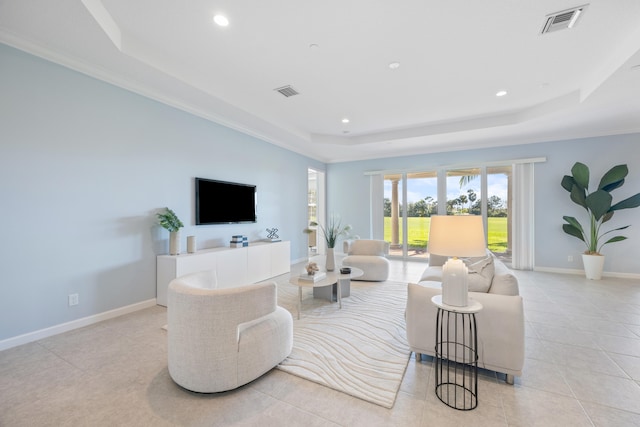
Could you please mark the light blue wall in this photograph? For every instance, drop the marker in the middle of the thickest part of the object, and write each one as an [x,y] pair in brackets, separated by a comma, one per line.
[552,245]
[85,165]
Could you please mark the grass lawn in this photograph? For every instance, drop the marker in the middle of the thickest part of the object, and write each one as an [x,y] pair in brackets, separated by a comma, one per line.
[419,232]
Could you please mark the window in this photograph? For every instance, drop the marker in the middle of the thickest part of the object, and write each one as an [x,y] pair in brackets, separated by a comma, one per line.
[464,195]
[411,198]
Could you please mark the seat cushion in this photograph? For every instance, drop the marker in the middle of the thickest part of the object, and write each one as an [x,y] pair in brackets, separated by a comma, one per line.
[374,268]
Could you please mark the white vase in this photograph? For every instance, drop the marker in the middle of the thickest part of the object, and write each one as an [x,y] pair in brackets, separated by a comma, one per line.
[174,242]
[593,265]
[191,244]
[331,260]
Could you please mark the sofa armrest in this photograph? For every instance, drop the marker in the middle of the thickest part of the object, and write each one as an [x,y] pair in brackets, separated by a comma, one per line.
[504,281]
[504,284]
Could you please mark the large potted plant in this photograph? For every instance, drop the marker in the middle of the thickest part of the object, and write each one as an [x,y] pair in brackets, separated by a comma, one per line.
[170,221]
[600,209]
[331,232]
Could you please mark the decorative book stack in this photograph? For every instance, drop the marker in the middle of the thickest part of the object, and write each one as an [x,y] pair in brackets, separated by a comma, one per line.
[238,241]
[313,277]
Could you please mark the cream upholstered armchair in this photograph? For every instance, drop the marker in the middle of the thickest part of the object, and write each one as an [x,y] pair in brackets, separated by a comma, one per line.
[222,338]
[369,256]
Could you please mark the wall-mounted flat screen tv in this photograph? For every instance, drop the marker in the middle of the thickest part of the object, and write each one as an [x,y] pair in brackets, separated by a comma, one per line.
[222,202]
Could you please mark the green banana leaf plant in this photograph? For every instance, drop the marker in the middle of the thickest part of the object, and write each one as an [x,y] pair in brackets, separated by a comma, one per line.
[598,205]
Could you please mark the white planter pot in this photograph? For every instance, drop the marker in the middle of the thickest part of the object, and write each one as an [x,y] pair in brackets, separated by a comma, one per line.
[593,265]
[174,243]
[331,260]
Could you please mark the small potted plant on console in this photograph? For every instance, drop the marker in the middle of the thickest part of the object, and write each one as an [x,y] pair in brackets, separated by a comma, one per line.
[170,221]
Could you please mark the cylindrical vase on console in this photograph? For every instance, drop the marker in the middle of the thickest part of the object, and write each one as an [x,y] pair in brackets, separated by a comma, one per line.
[191,244]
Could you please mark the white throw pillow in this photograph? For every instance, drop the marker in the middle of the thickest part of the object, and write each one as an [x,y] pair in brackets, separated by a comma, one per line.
[481,271]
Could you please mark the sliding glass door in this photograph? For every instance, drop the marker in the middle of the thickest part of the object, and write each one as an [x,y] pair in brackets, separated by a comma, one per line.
[393,213]
[499,211]
[409,201]
[422,202]
[411,198]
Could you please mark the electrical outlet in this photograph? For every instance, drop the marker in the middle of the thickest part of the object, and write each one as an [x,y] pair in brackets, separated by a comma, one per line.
[73,299]
[570,258]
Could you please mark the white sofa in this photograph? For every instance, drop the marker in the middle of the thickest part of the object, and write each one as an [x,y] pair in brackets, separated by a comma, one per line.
[500,323]
[368,255]
[222,338]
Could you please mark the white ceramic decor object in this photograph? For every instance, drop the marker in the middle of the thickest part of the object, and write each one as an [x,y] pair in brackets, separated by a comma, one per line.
[174,243]
[593,265]
[455,287]
[191,244]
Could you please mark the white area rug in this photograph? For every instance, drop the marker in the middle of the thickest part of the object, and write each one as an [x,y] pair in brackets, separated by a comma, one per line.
[360,349]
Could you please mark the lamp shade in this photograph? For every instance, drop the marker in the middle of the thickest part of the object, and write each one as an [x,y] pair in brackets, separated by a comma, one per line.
[457,236]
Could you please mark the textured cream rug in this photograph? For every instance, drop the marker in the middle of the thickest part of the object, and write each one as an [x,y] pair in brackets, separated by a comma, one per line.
[360,349]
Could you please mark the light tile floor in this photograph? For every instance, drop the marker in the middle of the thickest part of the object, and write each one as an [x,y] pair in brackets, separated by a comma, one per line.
[582,369]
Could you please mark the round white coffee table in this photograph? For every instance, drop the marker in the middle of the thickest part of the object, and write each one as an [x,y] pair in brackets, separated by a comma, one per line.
[332,278]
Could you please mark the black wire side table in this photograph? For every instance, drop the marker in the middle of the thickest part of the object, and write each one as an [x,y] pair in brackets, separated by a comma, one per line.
[457,354]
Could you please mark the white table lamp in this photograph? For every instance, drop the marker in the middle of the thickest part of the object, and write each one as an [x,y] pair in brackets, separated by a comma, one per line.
[456,236]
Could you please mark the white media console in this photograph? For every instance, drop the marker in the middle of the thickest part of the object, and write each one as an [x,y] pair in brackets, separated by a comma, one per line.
[234,266]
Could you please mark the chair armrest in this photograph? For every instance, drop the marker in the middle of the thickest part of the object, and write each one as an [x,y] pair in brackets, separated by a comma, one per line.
[250,302]
[227,306]
[368,247]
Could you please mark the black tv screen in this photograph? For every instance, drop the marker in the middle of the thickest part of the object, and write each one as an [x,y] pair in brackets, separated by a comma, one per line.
[221,202]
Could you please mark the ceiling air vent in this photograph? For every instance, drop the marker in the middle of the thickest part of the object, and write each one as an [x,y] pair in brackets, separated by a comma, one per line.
[563,20]
[287,91]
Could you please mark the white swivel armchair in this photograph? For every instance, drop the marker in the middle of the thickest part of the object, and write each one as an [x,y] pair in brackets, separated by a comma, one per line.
[369,256]
[222,338]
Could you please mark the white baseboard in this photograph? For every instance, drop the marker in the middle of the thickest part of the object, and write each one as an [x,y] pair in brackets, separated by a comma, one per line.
[74,324]
[581,272]
[296,261]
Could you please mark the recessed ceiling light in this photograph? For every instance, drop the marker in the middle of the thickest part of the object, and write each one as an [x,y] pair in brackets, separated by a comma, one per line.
[501,93]
[221,20]
[345,120]
[394,65]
